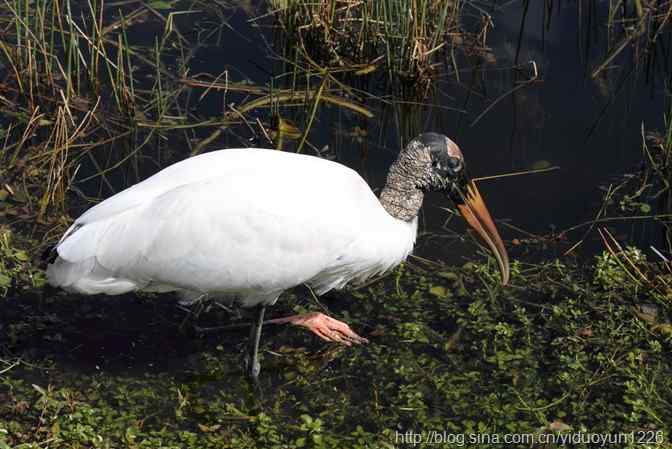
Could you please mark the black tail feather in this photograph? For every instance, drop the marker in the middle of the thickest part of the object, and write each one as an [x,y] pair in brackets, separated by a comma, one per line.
[50,254]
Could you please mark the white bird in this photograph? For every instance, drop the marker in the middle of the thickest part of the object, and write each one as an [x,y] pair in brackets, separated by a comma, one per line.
[245,225]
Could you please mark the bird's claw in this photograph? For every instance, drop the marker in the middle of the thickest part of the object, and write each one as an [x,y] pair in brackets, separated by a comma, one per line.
[325,327]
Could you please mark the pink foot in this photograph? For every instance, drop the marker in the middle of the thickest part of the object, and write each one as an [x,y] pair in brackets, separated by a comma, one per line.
[325,327]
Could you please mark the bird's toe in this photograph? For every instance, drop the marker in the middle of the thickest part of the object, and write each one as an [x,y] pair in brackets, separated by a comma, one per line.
[339,331]
[325,327]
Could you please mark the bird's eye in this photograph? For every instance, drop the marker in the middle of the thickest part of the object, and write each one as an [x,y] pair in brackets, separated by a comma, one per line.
[455,163]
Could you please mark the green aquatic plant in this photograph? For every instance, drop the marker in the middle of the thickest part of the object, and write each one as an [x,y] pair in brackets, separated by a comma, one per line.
[610,272]
[563,355]
[626,269]
[17,270]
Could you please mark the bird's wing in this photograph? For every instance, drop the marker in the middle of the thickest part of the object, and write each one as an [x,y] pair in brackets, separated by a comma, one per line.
[215,164]
[270,226]
[188,171]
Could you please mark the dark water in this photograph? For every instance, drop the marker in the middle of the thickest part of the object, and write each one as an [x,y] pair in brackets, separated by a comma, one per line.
[590,128]
[587,127]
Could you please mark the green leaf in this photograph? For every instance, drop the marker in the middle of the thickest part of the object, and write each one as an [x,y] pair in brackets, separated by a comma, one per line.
[448,275]
[439,291]
[540,165]
[160,4]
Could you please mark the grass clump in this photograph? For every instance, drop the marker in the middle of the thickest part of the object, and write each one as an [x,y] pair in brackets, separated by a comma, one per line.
[407,40]
[78,94]
[638,25]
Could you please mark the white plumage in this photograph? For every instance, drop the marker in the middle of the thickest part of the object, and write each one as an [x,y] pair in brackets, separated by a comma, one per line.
[244,223]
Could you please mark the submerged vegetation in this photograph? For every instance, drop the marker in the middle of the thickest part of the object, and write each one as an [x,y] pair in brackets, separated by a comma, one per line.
[562,350]
[96,95]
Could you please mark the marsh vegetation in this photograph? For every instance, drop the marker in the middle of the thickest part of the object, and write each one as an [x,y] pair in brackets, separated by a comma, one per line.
[95,96]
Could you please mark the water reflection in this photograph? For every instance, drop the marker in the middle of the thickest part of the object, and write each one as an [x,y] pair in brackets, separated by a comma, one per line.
[526,101]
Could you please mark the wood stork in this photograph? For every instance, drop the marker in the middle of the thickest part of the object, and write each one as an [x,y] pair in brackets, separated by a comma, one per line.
[246,224]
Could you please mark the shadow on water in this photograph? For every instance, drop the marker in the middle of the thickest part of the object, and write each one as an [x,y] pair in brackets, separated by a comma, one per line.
[139,336]
[121,334]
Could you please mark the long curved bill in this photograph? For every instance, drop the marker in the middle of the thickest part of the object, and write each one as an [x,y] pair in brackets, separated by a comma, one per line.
[477,216]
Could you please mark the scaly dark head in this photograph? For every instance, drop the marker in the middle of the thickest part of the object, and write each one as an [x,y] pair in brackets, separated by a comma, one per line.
[445,171]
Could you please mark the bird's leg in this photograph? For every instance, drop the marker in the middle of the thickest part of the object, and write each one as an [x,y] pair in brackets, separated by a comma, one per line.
[324,326]
[253,366]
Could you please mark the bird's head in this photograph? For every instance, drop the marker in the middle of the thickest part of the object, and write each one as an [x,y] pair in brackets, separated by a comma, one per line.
[443,169]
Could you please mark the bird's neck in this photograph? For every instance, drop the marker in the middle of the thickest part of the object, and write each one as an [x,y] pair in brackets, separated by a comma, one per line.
[401,197]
